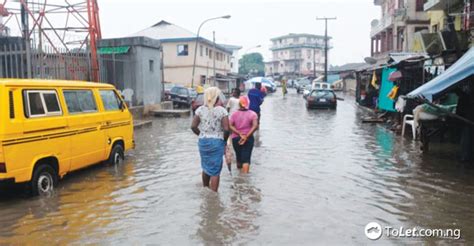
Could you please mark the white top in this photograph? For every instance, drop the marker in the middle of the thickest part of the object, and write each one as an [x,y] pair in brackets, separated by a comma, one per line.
[233,105]
[211,121]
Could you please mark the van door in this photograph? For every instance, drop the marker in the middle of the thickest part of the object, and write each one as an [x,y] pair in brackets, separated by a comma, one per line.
[117,119]
[84,118]
[44,131]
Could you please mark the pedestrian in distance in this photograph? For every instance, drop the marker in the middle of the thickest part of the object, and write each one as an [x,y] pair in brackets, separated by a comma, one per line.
[284,90]
[233,103]
[211,124]
[256,97]
[243,124]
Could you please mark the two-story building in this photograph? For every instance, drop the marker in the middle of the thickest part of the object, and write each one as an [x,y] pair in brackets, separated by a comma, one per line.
[178,46]
[394,31]
[296,55]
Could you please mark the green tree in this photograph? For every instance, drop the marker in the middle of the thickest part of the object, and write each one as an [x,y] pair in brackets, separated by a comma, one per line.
[250,63]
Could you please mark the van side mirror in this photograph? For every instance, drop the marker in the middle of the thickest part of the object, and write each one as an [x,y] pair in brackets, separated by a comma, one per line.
[122,105]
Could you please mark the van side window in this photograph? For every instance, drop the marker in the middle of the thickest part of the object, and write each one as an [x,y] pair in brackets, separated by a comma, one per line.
[80,101]
[110,100]
[41,103]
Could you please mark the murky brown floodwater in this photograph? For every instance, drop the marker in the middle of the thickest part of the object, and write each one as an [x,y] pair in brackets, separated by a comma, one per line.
[317,176]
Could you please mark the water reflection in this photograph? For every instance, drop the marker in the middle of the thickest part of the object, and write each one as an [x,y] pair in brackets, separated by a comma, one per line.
[77,211]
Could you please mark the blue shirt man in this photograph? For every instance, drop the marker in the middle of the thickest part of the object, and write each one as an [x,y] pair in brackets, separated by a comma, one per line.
[256,96]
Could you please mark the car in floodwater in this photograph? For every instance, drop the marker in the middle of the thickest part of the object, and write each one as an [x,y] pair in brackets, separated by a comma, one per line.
[199,101]
[182,96]
[302,85]
[321,98]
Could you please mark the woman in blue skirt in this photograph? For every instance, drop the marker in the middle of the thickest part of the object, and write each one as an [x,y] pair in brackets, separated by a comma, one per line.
[211,124]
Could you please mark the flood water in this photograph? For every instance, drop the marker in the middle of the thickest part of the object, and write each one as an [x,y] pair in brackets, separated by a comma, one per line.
[317,177]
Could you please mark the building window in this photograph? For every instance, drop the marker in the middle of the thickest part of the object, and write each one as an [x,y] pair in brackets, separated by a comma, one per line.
[210,54]
[207,51]
[231,65]
[151,65]
[419,5]
[182,50]
[200,50]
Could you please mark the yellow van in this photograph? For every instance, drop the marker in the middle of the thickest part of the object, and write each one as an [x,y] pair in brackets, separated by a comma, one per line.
[50,128]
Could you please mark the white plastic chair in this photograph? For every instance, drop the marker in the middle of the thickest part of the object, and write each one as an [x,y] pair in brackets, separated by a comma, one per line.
[409,119]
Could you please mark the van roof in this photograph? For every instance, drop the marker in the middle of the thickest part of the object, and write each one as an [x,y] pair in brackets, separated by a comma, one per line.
[52,83]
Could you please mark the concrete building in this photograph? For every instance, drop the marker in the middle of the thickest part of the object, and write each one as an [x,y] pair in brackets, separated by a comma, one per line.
[234,59]
[394,31]
[178,46]
[450,29]
[296,55]
[133,66]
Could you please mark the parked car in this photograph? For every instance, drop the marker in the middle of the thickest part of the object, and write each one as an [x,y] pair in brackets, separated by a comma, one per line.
[56,127]
[199,101]
[182,96]
[303,84]
[167,89]
[321,99]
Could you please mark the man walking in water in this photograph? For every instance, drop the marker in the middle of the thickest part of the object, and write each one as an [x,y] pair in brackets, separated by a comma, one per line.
[256,96]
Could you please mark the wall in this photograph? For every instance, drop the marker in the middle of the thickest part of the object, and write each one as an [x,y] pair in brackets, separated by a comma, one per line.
[132,69]
[178,69]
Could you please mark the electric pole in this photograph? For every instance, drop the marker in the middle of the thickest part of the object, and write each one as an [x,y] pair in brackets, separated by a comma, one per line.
[325,19]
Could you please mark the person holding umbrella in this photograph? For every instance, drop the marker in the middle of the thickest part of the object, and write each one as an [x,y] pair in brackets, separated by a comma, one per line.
[243,124]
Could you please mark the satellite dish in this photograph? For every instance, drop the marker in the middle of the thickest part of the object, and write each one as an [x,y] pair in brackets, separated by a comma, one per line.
[370,60]
[374,23]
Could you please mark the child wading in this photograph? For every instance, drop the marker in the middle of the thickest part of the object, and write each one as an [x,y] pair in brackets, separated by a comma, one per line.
[243,124]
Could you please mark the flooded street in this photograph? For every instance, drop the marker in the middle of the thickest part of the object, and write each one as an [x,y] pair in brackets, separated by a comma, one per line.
[316,177]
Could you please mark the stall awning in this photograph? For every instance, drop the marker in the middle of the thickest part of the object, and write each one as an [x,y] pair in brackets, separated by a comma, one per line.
[113,50]
[460,70]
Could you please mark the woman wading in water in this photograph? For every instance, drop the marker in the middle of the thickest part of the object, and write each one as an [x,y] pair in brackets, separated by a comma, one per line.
[243,124]
[211,124]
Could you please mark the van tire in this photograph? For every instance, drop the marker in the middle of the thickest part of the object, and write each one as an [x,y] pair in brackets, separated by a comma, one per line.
[44,180]
[116,156]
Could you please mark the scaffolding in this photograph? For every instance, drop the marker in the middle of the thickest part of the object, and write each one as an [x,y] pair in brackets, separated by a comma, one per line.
[63,29]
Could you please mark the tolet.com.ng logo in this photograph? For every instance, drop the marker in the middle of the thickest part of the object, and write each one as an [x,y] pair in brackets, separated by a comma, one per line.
[373,231]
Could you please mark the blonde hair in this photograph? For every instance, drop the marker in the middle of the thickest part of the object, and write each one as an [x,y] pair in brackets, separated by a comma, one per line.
[210,96]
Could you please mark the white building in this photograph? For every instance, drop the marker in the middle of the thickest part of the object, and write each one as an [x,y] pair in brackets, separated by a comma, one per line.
[296,55]
[234,59]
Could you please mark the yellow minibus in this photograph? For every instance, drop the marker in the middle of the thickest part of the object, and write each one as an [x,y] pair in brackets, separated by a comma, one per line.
[50,128]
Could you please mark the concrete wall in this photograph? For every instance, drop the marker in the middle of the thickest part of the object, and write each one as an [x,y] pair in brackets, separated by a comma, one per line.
[133,70]
[178,69]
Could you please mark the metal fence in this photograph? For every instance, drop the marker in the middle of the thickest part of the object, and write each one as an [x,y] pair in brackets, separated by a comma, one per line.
[21,61]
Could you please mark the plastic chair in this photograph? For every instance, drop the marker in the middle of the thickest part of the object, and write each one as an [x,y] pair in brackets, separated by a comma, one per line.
[409,120]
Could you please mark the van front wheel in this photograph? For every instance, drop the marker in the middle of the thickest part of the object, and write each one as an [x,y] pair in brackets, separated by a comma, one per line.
[45,178]
[116,156]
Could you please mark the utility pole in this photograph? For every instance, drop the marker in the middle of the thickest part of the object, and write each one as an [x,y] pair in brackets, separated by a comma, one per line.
[325,19]
[214,57]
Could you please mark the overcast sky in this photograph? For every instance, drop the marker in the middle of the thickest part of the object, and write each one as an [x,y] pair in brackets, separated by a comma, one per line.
[253,22]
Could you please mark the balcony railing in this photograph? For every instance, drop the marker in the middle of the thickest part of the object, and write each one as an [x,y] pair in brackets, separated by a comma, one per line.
[440,4]
[296,45]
